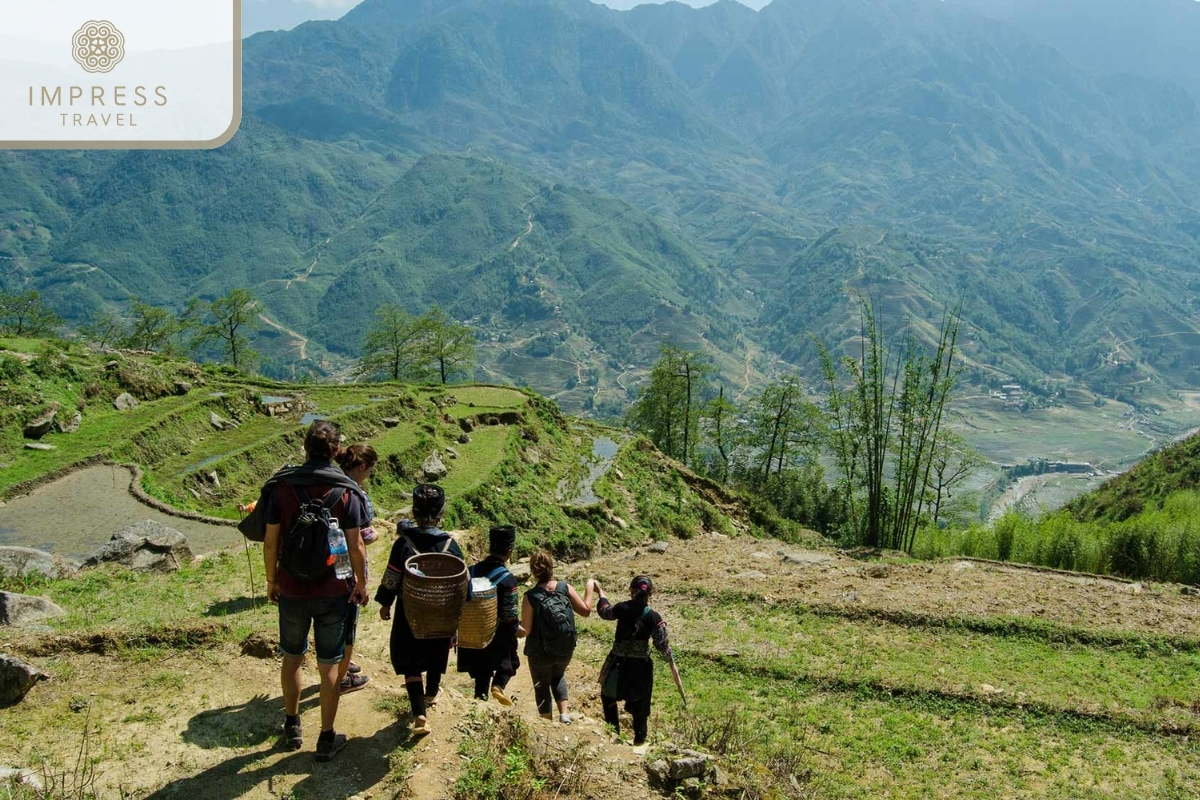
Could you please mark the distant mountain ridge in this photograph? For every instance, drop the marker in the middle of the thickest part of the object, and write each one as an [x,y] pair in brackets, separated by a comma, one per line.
[919,150]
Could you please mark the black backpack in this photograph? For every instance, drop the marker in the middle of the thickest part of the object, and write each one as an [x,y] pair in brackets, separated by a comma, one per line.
[254,526]
[555,621]
[305,551]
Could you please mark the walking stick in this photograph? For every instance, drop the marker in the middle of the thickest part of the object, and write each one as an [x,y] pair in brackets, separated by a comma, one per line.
[249,567]
[678,680]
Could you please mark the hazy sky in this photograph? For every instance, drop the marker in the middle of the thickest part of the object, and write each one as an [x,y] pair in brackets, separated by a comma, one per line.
[263,15]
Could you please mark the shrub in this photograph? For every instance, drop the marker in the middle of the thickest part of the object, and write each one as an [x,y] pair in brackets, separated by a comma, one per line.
[11,368]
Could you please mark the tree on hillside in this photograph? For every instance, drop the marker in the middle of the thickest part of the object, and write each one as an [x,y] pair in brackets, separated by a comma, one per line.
[26,314]
[720,418]
[953,462]
[887,424]
[392,347]
[150,327]
[225,322]
[668,410]
[782,426]
[104,329]
[445,342]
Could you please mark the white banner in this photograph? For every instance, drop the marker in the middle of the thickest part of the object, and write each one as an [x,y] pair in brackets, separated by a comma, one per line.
[120,73]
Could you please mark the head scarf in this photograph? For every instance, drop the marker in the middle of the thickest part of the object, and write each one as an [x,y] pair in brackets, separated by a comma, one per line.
[501,539]
[428,500]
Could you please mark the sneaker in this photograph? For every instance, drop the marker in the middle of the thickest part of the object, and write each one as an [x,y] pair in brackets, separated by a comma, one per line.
[352,683]
[293,737]
[565,719]
[500,697]
[354,668]
[328,747]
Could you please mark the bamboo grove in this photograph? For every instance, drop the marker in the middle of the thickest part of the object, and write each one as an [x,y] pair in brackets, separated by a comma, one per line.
[876,421]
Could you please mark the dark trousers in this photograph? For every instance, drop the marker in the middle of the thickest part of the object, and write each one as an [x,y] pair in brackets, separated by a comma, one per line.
[484,681]
[417,692]
[549,678]
[639,709]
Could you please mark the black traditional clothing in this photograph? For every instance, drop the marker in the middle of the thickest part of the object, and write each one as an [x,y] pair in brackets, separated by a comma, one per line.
[628,673]
[410,655]
[497,662]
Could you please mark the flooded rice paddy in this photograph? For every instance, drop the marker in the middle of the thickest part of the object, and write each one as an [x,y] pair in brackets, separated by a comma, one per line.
[75,515]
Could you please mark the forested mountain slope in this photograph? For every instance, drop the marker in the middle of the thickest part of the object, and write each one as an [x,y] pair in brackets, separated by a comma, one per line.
[969,159]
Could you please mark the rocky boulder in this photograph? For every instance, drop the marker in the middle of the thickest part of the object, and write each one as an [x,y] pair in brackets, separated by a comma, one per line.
[182,387]
[658,547]
[42,424]
[23,609]
[520,571]
[39,446]
[70,426]
[125,402]
[390,422]
[16,679]
[147,546]
[19,562]
[433,469]
[220,423]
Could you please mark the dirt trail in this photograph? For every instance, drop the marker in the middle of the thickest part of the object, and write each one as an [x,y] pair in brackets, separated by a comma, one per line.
[529,224]
[218,738]
[301,342]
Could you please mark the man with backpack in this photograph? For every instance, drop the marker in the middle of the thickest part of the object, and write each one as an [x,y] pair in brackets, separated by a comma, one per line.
[313,516]
[495,665]
[548,617]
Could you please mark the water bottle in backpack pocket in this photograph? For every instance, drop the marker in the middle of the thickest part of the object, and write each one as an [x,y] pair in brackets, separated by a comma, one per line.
[339,554]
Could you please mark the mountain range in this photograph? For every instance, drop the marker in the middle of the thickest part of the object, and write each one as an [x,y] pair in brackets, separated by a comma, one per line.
[581,181]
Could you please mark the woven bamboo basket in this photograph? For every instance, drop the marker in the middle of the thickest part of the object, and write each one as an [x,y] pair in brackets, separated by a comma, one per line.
[433,602]
[478,624]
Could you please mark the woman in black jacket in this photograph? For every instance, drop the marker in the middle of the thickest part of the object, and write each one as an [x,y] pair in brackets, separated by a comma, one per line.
[412,656]
[628,673]
[495,665]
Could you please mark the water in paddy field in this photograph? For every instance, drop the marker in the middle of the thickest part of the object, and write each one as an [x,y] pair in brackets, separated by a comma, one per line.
[308,419]
[271,399]
[604,450]
[75,515]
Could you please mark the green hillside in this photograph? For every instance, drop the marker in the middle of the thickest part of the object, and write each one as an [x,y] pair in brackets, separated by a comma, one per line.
[969,159]
[1145,487]
[520,461]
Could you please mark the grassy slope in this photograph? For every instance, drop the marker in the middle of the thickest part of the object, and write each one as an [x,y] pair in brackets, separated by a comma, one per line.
[1146,486]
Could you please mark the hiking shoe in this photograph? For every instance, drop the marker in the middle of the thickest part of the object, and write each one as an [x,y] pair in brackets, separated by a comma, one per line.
[293,737]
[500,697]
[328,747]
[352,683]
[354,668]
[565,719]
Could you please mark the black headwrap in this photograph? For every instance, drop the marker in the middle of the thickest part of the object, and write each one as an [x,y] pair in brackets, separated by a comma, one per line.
[501,539]
[641,587]
[428,500]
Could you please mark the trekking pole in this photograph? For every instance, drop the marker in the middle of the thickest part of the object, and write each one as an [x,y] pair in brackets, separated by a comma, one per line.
[678,680]
[249,567]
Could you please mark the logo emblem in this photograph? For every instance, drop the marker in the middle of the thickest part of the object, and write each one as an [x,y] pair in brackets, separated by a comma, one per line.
[98,46]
